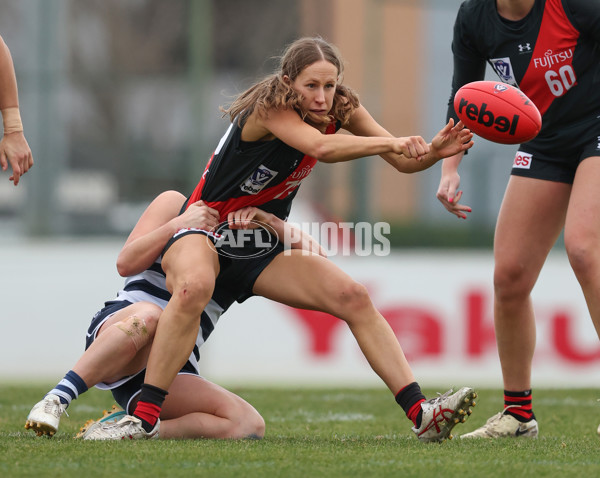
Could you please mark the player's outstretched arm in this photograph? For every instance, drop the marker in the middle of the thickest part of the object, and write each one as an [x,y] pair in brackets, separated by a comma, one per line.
[450,140]
[158,223]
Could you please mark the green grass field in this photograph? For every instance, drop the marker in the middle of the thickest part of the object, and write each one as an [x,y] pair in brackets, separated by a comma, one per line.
[311,433]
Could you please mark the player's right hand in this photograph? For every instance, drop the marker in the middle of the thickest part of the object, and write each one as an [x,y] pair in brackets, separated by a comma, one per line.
[448,195]
[411,146]
[199,215]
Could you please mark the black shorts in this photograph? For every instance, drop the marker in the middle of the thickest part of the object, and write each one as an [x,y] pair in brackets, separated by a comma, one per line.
[237,275]
[555,165]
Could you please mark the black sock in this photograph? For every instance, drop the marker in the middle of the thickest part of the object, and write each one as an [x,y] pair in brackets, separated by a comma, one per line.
[518,405]
[408,398]
[149,405]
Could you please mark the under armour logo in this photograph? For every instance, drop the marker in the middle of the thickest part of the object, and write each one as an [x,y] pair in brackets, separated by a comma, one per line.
[526,47]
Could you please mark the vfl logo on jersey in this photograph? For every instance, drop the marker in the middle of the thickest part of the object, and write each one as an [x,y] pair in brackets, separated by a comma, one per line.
[258,180]
[522,160]
[504,70]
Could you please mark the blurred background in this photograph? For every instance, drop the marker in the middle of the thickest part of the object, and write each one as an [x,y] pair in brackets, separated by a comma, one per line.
[120,101]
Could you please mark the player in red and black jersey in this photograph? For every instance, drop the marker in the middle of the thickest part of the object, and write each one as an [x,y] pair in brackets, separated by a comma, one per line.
[280,128]
[550,49]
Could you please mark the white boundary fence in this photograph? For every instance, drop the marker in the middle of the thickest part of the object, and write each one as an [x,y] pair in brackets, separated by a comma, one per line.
[438,302]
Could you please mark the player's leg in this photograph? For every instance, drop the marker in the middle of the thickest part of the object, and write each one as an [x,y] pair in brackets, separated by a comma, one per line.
[582,234]
[119,348]
[194,408]
[314,282]
[530,220]
[191,265]
[197,408]
[317,283]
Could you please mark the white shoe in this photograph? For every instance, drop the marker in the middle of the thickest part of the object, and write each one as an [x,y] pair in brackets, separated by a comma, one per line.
[503,425]
[108,416]
[45,415]
[441,414]
[128,427]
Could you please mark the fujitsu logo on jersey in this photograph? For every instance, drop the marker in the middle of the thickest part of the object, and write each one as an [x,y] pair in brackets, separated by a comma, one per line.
[258,180]
[551,58]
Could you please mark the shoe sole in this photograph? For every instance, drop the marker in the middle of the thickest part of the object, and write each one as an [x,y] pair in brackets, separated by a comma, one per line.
[40,428]
[460,415]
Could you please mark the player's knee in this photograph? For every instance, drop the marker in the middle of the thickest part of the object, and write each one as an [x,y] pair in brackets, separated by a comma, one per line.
[511,282]
[351,297]
[139,328]
[247,424]
[581,254]
[192,294]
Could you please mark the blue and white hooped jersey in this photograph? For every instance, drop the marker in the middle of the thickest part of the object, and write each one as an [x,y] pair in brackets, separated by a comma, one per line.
[150,286]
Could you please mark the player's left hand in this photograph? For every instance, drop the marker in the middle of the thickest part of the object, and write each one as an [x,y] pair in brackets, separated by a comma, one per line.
[452,139]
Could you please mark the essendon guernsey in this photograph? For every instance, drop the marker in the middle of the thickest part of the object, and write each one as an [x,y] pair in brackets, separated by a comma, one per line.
[264,174]
[552,55]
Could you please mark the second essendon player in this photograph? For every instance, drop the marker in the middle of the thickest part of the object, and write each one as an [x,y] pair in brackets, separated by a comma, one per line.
[550,49]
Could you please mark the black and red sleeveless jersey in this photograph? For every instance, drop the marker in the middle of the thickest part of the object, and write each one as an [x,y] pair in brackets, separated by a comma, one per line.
[552,55]
[262,173]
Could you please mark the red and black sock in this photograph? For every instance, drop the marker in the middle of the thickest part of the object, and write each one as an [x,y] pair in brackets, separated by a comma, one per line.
[149,406]
[518,405]
[410,398]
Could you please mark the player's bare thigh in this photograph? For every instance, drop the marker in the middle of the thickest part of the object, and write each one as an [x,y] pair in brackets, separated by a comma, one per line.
[309,282]
[582,227]
[531,218]
[146,312]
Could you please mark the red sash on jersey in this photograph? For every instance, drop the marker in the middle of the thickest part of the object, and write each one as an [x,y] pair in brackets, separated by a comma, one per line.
[279,191]
[557,35]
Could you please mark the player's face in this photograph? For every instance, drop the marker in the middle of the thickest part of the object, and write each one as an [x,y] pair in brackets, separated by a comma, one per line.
[316,83]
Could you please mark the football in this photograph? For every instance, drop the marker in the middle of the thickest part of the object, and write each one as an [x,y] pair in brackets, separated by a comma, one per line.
[497,112]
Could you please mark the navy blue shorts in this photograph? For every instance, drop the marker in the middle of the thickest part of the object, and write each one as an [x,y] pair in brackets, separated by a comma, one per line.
[128,387]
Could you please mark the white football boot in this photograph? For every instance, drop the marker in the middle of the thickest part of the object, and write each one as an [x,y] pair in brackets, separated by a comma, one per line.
[108,416]
[127,428]
[45,415]
[442,413]
[503,425]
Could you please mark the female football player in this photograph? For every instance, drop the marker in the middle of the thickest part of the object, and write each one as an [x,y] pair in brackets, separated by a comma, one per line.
[550,49]
[280,128]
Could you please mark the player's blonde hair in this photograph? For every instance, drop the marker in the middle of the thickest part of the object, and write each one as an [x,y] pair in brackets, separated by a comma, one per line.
[273,92]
